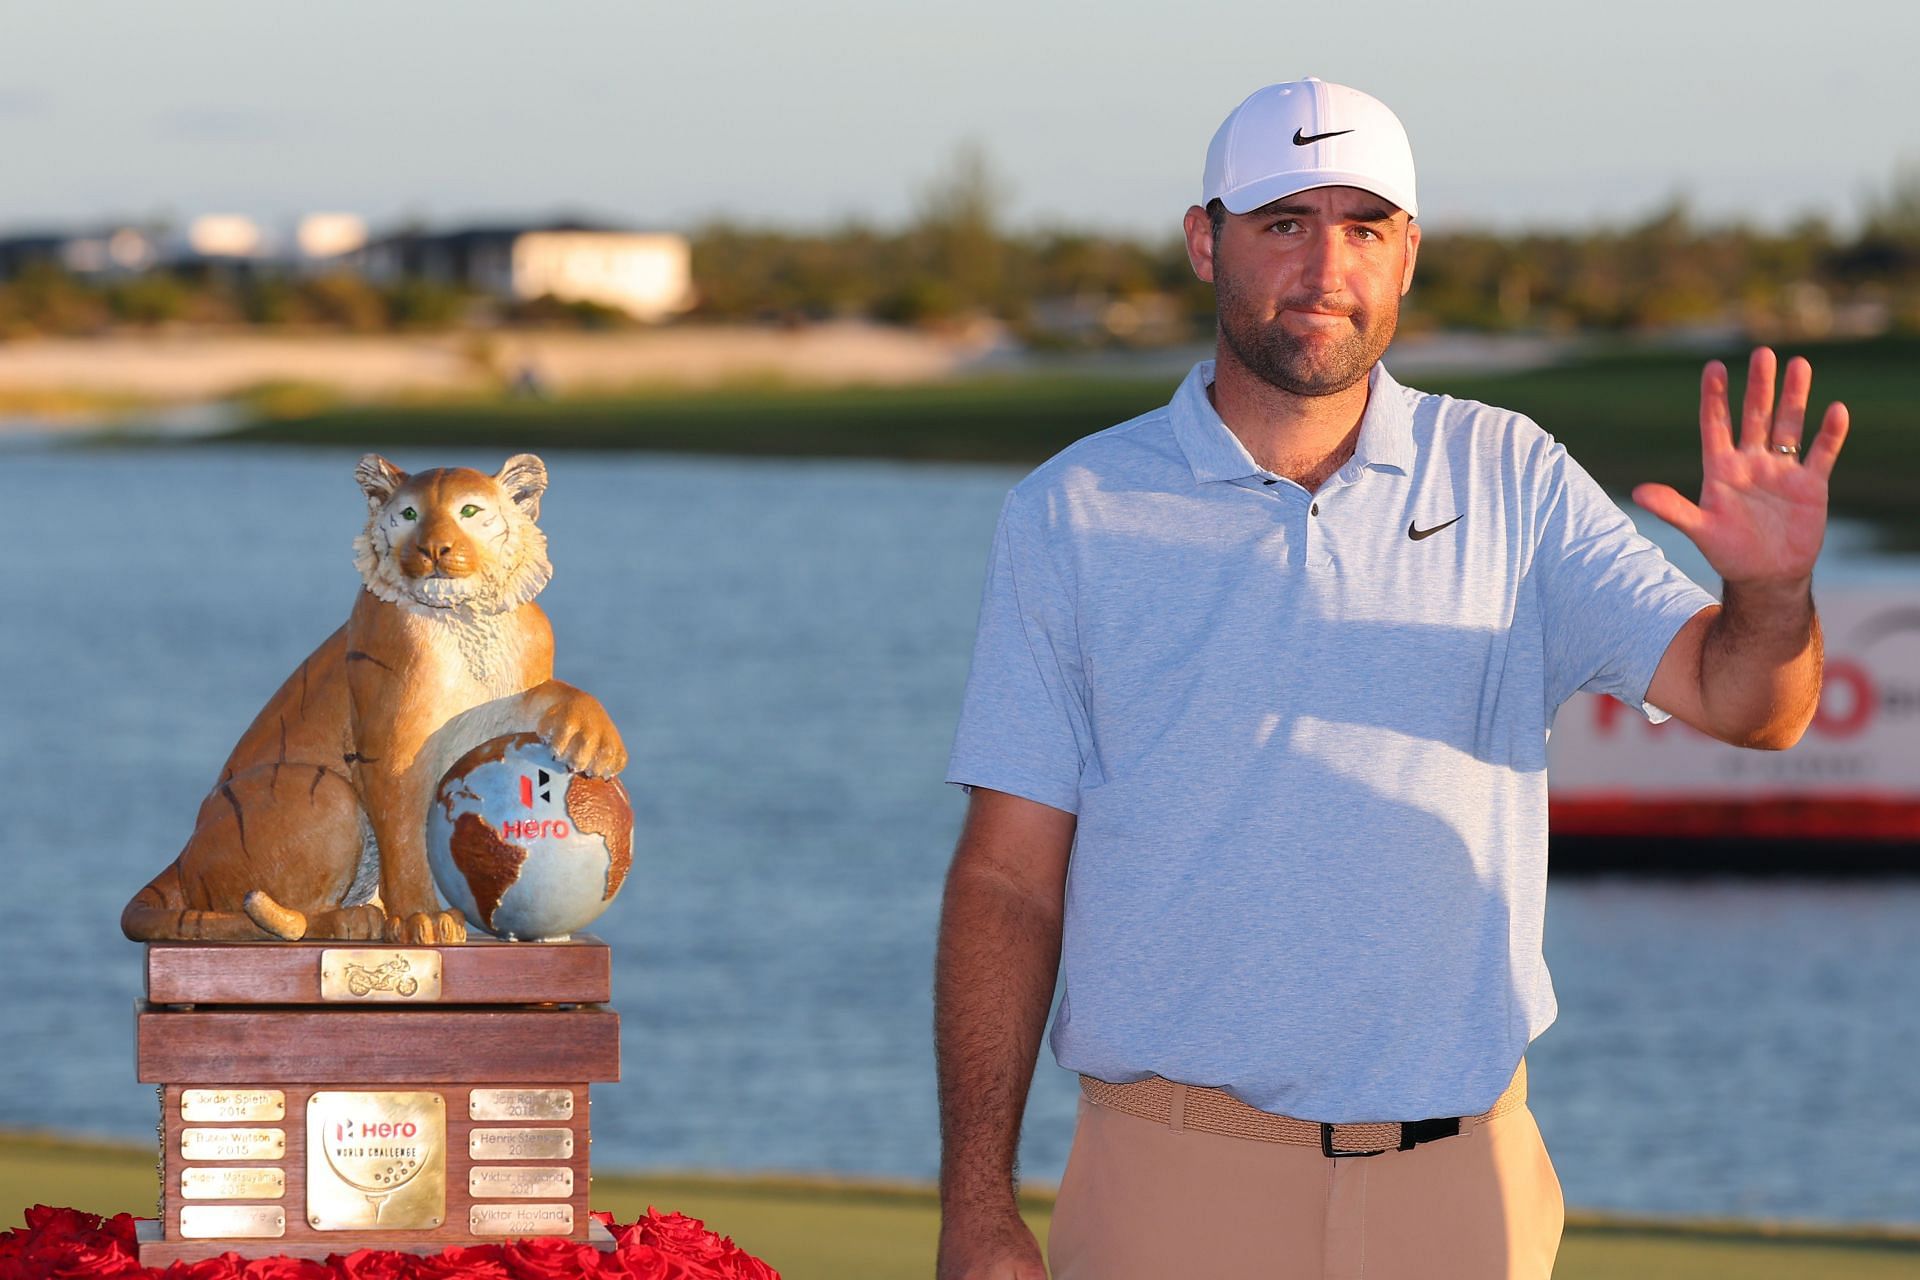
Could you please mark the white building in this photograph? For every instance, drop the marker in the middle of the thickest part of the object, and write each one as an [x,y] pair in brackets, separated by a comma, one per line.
[647,275]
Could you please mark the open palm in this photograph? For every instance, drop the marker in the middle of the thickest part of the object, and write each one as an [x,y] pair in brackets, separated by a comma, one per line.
[1762,512]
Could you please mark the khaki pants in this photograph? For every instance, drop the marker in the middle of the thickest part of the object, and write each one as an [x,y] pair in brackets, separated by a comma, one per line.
[1144,1201]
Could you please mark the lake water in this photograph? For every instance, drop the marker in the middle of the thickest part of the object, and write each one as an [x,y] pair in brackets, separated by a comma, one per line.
[784,645]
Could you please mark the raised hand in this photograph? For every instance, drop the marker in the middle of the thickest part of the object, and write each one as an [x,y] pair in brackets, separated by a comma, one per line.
[1762,513]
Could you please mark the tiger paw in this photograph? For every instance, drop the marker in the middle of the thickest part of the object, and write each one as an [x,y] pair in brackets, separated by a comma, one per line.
[583,737]
[427,927]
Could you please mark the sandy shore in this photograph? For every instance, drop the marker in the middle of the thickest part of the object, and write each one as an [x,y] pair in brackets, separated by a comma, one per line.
[197,367]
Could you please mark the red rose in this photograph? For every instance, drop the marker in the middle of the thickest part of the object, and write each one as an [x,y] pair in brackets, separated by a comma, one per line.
[52,1225]
[102,1256]
[228,1266]
[372,1264]
[678,1234]
[472,1262]
[551,1258]
[285,1268]
[632,1260]
[741,1265]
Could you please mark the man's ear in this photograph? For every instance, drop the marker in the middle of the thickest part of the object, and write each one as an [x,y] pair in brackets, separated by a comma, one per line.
[1199,229]
[1413,251]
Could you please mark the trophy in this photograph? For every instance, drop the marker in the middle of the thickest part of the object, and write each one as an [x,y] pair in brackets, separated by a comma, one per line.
[340,1064]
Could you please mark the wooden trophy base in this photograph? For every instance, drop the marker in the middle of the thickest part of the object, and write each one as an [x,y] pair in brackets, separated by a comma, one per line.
[319,1098]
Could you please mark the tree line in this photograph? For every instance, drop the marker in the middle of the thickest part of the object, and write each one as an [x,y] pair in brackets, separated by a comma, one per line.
[953,264]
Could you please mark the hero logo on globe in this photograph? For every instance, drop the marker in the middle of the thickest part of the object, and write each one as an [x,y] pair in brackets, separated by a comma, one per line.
[535,828]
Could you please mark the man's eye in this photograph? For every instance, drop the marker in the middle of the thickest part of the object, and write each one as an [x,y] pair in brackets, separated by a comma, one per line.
[409,514]
[469,511]
[1286,224]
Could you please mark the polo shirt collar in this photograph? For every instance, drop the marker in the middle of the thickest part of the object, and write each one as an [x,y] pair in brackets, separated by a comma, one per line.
[1215,453]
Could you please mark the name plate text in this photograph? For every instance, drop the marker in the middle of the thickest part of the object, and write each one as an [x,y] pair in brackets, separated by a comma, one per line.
[520,1104]
[524,1182]
[224,1106]
[232,1184]
[232,1221]
[520,1144]
[520,1220]
[233,1144]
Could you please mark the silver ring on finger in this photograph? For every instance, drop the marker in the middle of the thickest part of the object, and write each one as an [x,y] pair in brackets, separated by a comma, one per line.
[1789,447]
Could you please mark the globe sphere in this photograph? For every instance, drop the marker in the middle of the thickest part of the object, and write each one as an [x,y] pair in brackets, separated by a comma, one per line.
[526,848]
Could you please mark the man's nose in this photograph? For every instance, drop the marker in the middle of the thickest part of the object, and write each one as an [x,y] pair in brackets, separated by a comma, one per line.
[1325,261]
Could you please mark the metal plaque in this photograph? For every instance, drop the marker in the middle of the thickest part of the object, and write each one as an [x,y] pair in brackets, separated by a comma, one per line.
[520,1144]
[229,1105]
[232,1184]
[232,1221]
[367,975]
[520,1182]
[376,1160]
[520,1220]
[233,1144]
[520,1104]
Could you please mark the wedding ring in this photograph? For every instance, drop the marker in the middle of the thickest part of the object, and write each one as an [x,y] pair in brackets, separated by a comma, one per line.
[1788,449]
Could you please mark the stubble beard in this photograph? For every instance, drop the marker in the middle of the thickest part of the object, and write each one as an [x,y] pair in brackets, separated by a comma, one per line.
[1285,361]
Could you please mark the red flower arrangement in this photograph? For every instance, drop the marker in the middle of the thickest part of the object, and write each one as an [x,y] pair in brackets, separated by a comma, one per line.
[65,1244]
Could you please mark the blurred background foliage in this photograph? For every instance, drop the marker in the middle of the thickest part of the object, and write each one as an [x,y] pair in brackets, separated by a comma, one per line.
[955,266]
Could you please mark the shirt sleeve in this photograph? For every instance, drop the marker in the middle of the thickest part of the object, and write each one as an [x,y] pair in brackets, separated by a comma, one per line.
[1022,720]
[1610,602]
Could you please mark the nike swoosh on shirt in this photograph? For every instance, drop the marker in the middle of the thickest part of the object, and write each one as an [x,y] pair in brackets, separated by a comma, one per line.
[1304,139]
[1416,533]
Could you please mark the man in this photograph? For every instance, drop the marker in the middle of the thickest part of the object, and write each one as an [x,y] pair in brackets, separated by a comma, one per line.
[1276,663]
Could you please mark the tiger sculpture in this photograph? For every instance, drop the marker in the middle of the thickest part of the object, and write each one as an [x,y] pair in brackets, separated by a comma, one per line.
[317,825]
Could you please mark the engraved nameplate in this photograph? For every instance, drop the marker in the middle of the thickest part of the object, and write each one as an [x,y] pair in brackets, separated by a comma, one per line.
[520,1104]
[520,1220]
[232,1184]
[376,1160]
[232,1221]
[229,1105]
[520,1144]
[515,1182]
[354,974]
[233,1144]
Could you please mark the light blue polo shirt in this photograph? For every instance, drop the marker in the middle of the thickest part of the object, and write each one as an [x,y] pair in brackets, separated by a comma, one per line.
[1306,738]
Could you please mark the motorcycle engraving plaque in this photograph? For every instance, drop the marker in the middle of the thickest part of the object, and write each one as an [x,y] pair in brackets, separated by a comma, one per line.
[369,975]
[376,1161]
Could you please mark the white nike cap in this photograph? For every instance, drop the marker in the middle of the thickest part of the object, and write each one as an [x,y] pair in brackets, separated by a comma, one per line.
[1305,134]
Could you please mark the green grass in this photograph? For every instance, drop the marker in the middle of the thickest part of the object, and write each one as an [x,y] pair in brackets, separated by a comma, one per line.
[1628,417]
[828,1230]
[975,420]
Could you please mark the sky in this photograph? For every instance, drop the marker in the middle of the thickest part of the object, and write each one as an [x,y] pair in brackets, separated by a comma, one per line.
[805,115]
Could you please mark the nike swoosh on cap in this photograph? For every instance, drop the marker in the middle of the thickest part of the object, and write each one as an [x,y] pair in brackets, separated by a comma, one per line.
[1416,533]
[1303,139]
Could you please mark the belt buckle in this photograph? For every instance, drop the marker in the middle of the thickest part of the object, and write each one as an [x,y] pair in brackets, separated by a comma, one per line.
[1412,1134]
[1327,1148]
